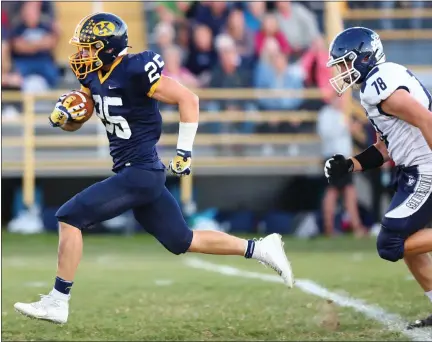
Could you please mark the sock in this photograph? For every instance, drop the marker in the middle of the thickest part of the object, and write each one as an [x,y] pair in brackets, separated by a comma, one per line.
[62,286]
[429,294]
[249,249]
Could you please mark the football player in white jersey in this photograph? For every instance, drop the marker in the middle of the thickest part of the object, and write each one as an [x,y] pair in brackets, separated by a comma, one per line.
[399,108]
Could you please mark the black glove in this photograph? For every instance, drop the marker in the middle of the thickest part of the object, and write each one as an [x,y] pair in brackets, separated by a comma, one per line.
[337,167]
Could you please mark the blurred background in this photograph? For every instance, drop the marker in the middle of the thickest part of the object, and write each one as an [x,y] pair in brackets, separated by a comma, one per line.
[269,117]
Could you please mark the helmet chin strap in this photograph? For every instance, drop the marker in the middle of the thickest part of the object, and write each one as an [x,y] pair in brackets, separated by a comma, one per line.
[356,86]
[124,51]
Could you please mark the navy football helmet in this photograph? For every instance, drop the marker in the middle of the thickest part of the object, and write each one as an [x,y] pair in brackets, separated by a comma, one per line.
[100,39]
[355,52]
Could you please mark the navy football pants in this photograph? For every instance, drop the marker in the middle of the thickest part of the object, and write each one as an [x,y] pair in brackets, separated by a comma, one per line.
[141,190]
[410,211]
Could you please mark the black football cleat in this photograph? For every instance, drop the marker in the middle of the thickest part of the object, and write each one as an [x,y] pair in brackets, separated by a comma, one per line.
[421,323]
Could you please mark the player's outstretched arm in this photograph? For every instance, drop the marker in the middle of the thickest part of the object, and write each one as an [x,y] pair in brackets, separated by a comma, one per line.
[404,106]
[172,92]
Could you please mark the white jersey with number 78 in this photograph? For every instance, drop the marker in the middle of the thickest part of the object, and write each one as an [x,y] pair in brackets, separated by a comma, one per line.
[405,143]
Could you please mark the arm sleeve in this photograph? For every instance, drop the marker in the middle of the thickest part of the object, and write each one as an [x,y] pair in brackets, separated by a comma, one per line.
[146,68]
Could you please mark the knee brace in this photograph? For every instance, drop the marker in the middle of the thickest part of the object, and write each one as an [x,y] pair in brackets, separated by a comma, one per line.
[390,244]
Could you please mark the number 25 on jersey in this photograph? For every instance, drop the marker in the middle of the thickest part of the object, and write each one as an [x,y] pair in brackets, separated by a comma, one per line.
[116,125]
[152,69]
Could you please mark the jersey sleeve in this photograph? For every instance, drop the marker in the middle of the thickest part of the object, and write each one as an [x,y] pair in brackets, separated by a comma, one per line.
[147,69]
[382,82]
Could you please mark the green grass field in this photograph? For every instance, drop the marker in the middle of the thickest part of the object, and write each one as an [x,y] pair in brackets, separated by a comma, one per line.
[130,288]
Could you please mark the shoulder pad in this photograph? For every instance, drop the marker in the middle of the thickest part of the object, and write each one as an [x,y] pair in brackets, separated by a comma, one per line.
[139,61]
[146,67]
[383,81]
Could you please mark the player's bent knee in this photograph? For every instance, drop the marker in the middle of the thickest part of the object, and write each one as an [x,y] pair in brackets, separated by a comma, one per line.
[390,245]
[71,214]
[178,244]
[65,225]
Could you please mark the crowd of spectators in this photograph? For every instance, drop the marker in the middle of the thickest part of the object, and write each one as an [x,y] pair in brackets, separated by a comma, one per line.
[29,36]
[260,44]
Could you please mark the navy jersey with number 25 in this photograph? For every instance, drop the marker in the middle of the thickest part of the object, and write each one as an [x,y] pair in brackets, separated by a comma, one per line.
[124,104]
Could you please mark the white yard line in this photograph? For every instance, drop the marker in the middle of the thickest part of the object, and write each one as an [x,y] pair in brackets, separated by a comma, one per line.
[36,284]
[392,321]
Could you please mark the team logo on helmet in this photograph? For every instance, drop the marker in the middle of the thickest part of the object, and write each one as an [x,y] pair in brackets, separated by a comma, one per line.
[376,42]
[104,28]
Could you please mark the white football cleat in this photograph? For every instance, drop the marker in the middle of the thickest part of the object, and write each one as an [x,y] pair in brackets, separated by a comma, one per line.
[270,252]
[50,308]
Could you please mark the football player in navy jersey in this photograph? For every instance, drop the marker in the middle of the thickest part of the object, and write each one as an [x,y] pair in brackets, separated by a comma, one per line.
[126,89]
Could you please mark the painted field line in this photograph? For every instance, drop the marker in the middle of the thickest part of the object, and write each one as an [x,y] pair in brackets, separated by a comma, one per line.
[393,322]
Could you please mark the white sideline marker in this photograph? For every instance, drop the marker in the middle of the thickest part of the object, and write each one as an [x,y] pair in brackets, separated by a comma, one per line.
[392,321]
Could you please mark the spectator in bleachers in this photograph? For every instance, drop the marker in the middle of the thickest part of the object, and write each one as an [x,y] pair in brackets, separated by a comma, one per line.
[242,36]
[254,13]
[314,63]
[278,74]
[214,14]
[230,73]
[318,9]
[163,36]
[271,48]
[47,10]
[202,56]
[10,79]
[165,13]
[270,29]
[173,11]
[335,133]
[298,24]
[183,38]
[33,42]
[174,69]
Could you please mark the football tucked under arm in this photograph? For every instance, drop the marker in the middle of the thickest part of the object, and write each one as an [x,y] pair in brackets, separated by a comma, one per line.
[75,98]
